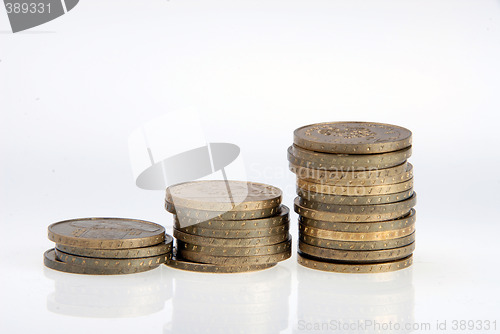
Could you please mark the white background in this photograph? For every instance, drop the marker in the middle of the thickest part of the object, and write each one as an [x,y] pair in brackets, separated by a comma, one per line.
[72,91]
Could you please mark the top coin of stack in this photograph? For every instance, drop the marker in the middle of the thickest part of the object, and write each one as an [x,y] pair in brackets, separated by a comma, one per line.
[228,226]
[107,246]
[356,196]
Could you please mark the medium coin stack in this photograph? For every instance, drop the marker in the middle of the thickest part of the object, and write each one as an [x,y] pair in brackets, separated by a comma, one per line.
[356,196]
[228,226]
[107,246]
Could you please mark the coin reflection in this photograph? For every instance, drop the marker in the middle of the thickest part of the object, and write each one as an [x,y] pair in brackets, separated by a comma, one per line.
[354,303]
[109,296]
[255,302]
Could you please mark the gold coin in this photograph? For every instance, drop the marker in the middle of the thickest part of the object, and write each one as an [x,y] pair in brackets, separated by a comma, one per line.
[352,137]
[279,219]
[342,180]
[130,253]
[346,162]
[357,245]
[354,191]
[199,216]
[223,195]
[213,268]
[50,261]
[236,251]
[232,234]
[355,268]
[348,236]
[98,263]
[224,242]
[234,260]
[353,213]
[354,200]
[395,224]
[106,233]
[357,256]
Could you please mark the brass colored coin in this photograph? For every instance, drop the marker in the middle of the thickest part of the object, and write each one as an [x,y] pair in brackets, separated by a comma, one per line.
[204,215]
[370,174]
[234,260]
[221,195]
[346,162]
[354,213]
[106,233]
[98,263]
[355,191]
[50,260]
[355,268]
[395,224]
[220,242]
[354,200]
[213,268]
[236,251]
[280,219]
[352,137]
[231,234]
[357,245]
[357,256]
[365,182]
[130,253]
[347,236]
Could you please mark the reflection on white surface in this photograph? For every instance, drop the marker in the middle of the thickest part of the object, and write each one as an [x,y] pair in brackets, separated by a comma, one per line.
[354,303]
[254,302]
[109,296]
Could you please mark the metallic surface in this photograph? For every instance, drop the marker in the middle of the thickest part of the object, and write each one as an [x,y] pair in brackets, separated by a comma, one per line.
[348,236]
[352,137]
[184,214]
[232,234]
[234,260]
[224,242]
[106,233]
[357,245]
[213,268]
[356,190]
[354,200]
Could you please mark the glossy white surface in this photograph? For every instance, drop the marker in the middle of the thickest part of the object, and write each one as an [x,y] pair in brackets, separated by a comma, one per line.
[73,90]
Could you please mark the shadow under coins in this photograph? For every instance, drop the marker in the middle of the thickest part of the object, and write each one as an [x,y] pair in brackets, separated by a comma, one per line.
[354,303]
[114,296]
[255,302]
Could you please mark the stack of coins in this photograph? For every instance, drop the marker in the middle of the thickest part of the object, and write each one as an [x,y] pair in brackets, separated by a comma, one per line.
[107,246]
[228,226]
[356,196]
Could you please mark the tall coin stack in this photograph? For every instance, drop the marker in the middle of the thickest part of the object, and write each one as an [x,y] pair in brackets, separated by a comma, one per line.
[107,246]
[228,226]
[355,196]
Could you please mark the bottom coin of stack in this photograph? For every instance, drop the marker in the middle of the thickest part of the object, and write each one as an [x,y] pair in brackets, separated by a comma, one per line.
[228,226]
[107,246]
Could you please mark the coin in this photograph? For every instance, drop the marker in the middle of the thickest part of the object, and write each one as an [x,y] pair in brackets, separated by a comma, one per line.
[205,215]
[50,260]
[366,182]
[338,175]
[106,233]
[223,242]
[395,224]
[234,260]
[130,253]
[357,256]
[354,200]
[99,263]
[344,162]
[279,219]
[227,233]
[352,137]
[213,268]
[221,195]
[236,251]
[354,213]
[347,236]
[357,245]
[355,191]
[355,268]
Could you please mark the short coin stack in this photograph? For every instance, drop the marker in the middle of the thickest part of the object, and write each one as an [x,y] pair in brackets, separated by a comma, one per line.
[107,246]
[356,196]
[228,226]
